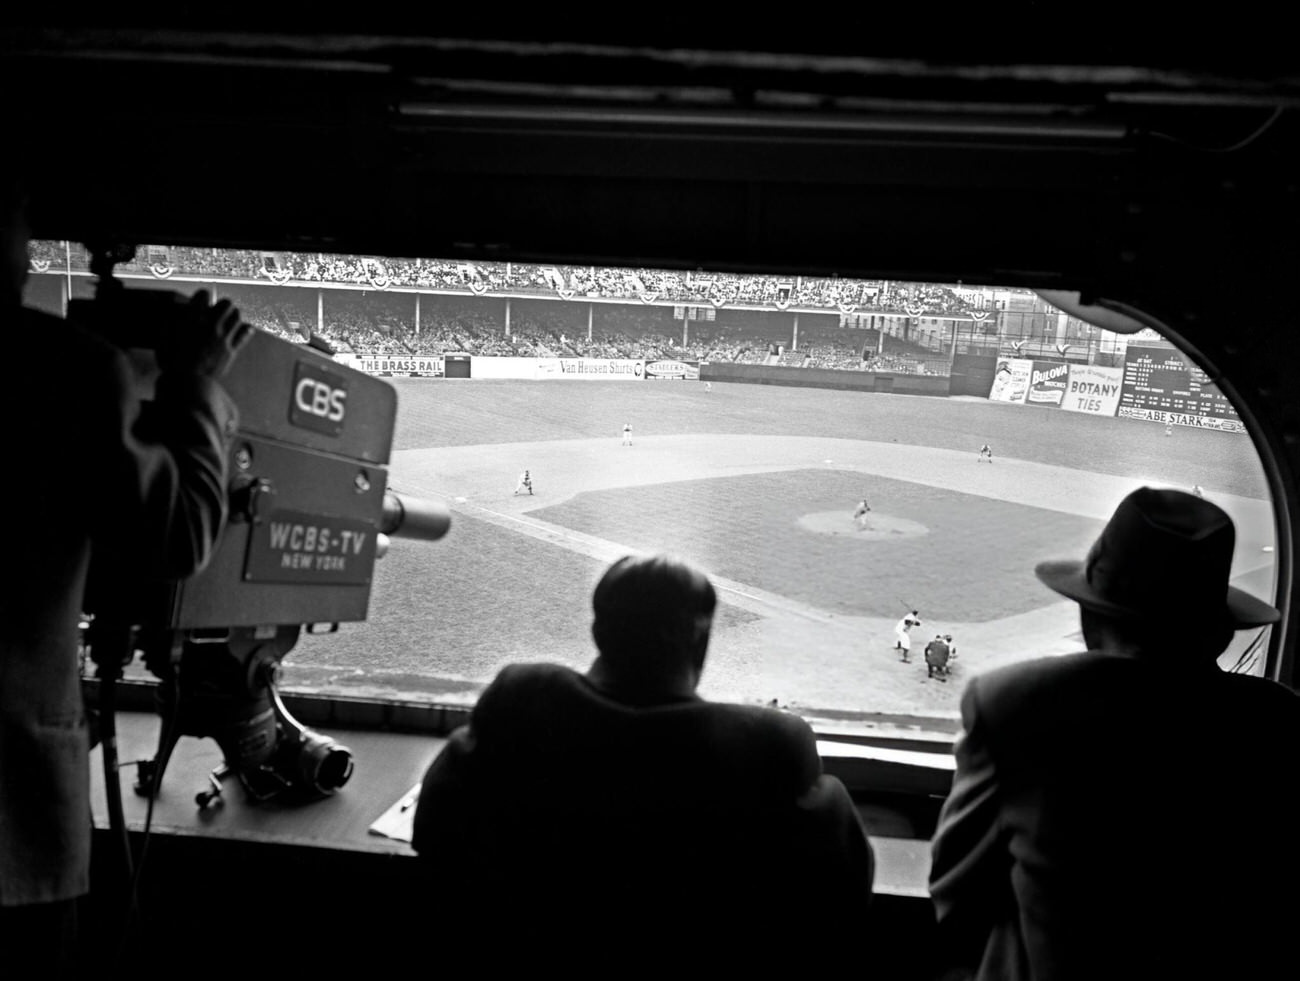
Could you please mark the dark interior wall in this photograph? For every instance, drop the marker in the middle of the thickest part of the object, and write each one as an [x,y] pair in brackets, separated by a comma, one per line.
[233,909]
[45,293]
[1135,192]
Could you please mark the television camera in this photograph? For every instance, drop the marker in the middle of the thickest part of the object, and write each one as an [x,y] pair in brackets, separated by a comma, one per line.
[309,513]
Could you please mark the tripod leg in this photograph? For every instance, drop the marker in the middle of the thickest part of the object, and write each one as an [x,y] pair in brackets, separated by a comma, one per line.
[163,659]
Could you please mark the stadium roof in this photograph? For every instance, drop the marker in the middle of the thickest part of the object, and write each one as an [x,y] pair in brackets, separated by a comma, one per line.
[982,149]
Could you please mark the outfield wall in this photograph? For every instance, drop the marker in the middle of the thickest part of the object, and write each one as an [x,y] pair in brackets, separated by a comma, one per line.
[854,381]
[611,369]
[972,374]
[529,369]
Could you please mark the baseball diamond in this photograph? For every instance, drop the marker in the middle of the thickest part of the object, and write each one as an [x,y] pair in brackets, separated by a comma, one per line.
[757,483]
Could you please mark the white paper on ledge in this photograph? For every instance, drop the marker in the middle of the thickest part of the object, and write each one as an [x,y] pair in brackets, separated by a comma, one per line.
[397,822]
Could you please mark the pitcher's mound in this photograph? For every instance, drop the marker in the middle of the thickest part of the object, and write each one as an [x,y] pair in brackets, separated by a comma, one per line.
[879,527]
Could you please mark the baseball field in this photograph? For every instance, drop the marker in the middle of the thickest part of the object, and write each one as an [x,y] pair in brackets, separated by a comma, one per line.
[757,484]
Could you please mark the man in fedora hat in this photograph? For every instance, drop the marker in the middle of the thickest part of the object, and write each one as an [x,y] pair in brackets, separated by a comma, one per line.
[1124,812]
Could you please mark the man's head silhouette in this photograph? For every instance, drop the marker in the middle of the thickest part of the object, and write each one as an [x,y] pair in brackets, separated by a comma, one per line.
[653,615]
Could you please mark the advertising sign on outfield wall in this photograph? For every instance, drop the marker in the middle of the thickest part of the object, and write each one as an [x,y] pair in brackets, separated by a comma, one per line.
[1182,419]
[1093,389]
[596,369]
[505,367]
[392,365]
[1047,380]
[672,369]
[401,366]
[1011,380]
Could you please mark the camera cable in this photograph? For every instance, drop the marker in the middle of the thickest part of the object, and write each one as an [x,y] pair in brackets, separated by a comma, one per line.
[151,784]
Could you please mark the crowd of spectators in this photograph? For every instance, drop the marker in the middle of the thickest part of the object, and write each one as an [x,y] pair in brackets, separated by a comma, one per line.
[523,279]
[834,356]
[895,364]
[374,321]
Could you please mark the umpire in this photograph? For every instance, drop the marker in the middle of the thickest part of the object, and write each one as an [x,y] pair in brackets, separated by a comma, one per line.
[936,658]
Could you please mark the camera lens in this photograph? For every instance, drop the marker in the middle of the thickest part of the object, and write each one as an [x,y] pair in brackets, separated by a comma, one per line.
[325,766]
[335,769]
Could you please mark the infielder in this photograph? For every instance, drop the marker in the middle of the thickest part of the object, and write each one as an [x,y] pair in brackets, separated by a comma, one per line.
[986,453]
[627,434]
[525,483]
[860,514]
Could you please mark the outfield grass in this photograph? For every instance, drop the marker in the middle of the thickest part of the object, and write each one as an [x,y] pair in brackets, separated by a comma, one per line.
[435,413]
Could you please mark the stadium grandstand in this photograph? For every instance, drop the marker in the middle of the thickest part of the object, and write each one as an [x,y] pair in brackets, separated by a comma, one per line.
[382,307]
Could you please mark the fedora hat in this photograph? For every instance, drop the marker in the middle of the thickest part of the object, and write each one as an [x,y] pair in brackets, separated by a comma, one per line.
[1164,553]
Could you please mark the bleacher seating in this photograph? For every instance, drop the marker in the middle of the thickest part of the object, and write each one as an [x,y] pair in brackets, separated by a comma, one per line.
[462,307]
[563,282]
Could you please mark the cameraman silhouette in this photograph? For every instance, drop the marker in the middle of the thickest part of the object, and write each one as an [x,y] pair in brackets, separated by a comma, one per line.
[84,471]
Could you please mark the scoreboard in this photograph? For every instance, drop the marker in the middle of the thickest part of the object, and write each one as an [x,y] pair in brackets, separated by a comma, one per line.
[1162,384]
